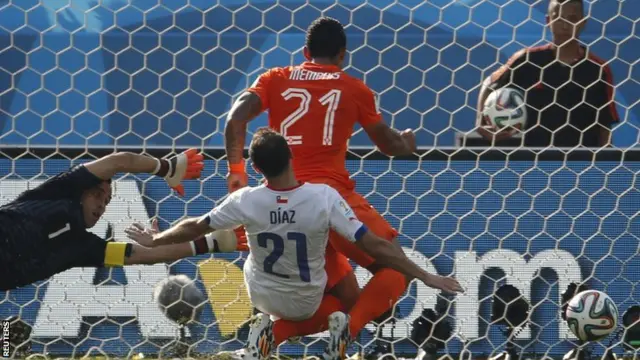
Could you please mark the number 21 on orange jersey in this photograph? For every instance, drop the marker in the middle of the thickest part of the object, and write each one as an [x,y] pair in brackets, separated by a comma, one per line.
[331,100]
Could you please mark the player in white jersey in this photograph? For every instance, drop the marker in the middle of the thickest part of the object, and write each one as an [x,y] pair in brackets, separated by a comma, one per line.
[287,225]
[287,230]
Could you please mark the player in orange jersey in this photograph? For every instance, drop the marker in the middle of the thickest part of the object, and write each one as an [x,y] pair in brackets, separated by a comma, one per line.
[315,106]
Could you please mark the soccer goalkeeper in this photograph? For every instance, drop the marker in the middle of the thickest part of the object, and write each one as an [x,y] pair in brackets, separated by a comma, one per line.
[44,230]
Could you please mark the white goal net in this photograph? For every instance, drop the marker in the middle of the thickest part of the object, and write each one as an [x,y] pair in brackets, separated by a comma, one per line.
[79,79]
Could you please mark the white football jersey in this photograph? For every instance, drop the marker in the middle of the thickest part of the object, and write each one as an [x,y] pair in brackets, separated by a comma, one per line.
[287,232]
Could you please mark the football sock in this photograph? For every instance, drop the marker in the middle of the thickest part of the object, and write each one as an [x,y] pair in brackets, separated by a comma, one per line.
[377,297]
[285,329]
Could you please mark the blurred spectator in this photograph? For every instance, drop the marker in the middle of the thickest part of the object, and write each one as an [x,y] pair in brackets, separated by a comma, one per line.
[568,90]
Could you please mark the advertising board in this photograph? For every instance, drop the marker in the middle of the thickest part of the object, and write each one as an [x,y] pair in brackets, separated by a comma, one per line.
[538,226]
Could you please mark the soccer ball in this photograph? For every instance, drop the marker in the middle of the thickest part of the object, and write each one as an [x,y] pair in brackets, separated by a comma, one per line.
[179,299]
[592,315]
[504,108]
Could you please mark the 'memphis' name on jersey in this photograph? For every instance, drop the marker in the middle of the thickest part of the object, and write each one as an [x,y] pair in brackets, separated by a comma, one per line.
[282,216]
[303,75]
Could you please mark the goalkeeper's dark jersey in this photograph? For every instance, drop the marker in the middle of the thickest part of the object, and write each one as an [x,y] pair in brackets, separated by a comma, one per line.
[42,231]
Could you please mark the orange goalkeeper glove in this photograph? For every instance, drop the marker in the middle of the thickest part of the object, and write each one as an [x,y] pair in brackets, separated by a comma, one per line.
[185,166]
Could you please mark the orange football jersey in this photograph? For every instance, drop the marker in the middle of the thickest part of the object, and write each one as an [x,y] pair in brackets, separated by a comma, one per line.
[316,107]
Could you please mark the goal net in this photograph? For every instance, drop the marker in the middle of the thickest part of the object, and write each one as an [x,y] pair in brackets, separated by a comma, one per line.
[80,79]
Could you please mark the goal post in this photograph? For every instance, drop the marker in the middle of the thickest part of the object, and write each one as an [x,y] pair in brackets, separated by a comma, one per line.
[81,79]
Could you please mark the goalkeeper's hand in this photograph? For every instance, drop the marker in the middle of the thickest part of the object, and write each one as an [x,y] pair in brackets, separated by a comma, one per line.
[184,166]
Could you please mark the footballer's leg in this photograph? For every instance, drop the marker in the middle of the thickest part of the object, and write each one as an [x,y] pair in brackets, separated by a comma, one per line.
[387,285]
[241,235]
[341,279]
[287,329]
[260,342]
[338,271]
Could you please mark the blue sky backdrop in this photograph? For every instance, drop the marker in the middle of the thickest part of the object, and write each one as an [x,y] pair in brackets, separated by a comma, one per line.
[159,73]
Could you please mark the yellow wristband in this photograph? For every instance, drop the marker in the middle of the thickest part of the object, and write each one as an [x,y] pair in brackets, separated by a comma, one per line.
[237,168]
[114,253]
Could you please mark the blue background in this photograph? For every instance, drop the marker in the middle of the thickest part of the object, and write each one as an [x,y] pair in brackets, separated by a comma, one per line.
[160,73]
[445,204]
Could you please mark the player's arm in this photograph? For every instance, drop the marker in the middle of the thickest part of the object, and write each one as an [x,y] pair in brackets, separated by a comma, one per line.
[124,162]
[495,81]
[246,108]
[207,238]
[226,216]
[74,181]
[213,242]
[389,255]
[186,165]
[99,253]
[120,254]
[343,221]
[390,141]
[607,113]
[185,230]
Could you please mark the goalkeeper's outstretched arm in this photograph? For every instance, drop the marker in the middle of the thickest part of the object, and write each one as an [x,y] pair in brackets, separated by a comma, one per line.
[186,165]
[139,255]
[126,162]
[120,253]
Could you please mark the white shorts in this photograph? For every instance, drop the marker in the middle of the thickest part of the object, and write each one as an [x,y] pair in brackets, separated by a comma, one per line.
[283,305]
[293,304]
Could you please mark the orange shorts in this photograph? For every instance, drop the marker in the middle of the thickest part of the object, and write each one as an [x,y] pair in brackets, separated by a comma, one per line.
[370,217]
[336,265]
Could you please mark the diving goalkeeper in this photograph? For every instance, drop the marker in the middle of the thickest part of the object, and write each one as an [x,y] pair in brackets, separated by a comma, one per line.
[44,230]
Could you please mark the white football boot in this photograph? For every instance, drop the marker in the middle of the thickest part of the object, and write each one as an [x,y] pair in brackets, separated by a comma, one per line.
[259,343]
[340,337]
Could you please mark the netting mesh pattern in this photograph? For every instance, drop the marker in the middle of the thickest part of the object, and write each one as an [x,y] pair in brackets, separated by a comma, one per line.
[154,74]
[536,226]
[162,72]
